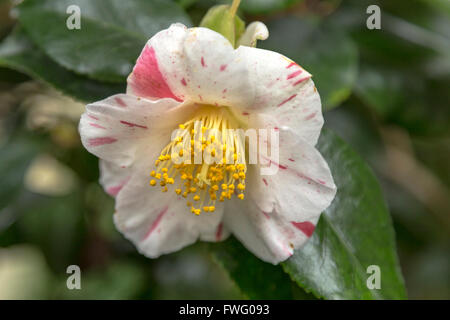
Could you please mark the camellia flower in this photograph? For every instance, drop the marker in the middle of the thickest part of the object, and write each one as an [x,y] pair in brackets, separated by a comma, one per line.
[188,76]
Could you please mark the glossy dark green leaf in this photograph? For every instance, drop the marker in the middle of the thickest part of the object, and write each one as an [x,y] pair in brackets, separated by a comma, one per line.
[18,53]
[328,54]
[354,233]
[112,33]
[255,279]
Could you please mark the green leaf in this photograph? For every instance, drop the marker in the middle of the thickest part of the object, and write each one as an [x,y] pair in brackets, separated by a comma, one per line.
[18,53]
[220,19]
[353,233]
[256,279]
[328,54]
[112,34]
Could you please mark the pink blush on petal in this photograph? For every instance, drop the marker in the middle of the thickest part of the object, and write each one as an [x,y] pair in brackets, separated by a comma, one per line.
[114,190]
[306,227]
[147,79]
[120,102]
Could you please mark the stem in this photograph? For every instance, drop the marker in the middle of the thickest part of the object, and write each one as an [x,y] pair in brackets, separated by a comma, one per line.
[234,7]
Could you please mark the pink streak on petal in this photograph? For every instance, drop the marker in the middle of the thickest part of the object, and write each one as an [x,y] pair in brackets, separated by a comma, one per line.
[321,181]
[156,222]
[294,74]
[183,82]
[92,117]
[147,79]
[266,214]
[120,102]
[312,115]
[292,160]
[287,100]
[203,62]
[131,125]
[306,227]
[219,231]
[301,80]
[291,65]
[265,181]
[223,67]
[275,163]
[309,179]
[95,142]
[96,126]
[114,190]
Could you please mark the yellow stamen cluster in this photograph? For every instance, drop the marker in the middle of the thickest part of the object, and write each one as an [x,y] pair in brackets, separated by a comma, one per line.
[202,183]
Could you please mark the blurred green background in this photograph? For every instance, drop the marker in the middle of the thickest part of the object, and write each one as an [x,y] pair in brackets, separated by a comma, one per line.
[386,92]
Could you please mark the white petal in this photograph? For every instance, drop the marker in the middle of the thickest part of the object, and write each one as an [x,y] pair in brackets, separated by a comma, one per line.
[200,65]
[283,90]
[159,223]
[113,178]
[280,211]
[149,76]
[254,31]
[115,128]
[195,64]
[268,236]
[302,186]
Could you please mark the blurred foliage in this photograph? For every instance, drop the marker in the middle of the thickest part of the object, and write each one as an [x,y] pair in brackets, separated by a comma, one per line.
[123,27]
[386,93]
[353,233]
[334,70]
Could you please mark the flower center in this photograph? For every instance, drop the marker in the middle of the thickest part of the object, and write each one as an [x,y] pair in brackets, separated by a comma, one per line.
[206,159]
